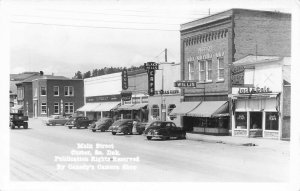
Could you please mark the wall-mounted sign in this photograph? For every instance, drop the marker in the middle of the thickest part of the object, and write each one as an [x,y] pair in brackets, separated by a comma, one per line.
[151,66]
[151,82]
[237,75]
[126,96]
[124,80]
[254,90]
[105,98]
[167,92]
[185,84]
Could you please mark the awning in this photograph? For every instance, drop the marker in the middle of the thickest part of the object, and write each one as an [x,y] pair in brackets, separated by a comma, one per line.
[125,107]
[17,107]
[105,106]
[138,106]
[184,107]
[88,107]
[210,109]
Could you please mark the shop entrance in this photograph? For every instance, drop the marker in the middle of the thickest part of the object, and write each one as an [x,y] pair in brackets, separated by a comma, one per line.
[255,124]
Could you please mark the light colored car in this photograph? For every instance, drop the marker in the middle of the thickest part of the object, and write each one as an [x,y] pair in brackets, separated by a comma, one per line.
[56,119]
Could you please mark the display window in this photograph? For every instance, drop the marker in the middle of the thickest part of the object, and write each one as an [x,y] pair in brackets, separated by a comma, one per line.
[272,121]
[241,120]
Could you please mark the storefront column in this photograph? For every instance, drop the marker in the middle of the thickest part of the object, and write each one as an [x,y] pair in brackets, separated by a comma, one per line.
[232,124]
[280,116]
[263,123]
[248,124]
[101,113]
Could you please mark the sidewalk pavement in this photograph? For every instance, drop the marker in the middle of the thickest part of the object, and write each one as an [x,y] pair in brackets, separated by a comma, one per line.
[241,141]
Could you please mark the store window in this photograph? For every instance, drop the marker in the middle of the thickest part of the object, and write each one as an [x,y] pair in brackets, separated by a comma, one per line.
[209,70]
[136,100]
[155,110]
[56,108]
[170,108]
[56,90]
[44,108]
[69,91]
[241,120]
[43,91]
[145,99]
[272,121]
[221,68]
[191,70]
[69,107]
[202,71]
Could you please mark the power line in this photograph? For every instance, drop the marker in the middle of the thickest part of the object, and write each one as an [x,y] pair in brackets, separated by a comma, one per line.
[86,26]
[95,20]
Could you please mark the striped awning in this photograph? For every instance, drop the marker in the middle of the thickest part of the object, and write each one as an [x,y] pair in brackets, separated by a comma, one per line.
[105,106]
[210,109]
[184,107]
[88,107]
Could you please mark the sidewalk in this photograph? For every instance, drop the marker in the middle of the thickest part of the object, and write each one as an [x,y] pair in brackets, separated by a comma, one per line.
[241,141]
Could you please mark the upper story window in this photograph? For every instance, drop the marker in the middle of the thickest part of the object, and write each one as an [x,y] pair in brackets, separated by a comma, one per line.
[43,91]
[145,99]
[221,68]
[56,90]
[69,91]
[136,100]
[20,93]
[205,70]
[191,70]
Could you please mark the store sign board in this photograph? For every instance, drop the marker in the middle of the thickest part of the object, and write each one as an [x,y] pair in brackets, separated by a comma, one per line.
[237,75]
[185,84]
[124,80]
[151,82]
[167,92]
[105,98]
[126,96]
[151,66]
[254,90]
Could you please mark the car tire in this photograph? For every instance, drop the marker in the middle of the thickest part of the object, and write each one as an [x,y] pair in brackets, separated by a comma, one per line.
[78,126]
[114,133]
[149,138]
[12,126]
[25,126]
[47,124]
[94,130]
[102,130]
[53,124]
[166,138]
[70,127]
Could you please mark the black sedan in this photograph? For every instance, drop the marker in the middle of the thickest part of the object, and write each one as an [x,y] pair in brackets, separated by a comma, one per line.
[122,126]
[164,130]
[102,124]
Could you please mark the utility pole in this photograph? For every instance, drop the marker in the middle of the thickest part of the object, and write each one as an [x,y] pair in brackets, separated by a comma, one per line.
[208,11]
[166,55]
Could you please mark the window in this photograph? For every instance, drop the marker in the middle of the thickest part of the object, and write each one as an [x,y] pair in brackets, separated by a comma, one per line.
[44,108]
[136,100]
[209,70]
[145,99]
[56,90]
[272,121]
[69,91]
[191,70]
[202,71]
[155,111]
[69,107]
[241,120]
[56,108]
[20,93]
[43,91]
[170,108]
[221,68]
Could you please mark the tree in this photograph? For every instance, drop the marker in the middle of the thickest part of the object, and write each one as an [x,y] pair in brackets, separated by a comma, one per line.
[87,74]
[95,73]
[78,75]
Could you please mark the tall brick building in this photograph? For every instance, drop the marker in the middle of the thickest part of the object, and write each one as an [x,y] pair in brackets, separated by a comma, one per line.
[210,45]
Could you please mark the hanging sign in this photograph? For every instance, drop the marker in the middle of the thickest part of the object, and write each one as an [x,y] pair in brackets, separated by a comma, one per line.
[151,66]
[126,96]
[151,82]
[124,80]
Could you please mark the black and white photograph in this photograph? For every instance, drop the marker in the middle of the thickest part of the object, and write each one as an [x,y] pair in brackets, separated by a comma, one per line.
[150,95]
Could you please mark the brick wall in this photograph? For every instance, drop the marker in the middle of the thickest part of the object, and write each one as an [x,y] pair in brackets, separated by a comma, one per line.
[28,98]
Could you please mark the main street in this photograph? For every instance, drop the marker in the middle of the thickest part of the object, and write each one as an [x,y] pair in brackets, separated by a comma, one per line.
[36,154]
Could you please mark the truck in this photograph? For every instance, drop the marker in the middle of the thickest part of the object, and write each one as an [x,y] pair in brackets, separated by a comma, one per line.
[18,120]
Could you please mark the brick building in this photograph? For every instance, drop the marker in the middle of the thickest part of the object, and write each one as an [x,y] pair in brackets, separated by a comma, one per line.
[210,45]
[56,95]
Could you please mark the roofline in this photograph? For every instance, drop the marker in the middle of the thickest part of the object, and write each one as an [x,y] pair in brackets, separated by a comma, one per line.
[276,58]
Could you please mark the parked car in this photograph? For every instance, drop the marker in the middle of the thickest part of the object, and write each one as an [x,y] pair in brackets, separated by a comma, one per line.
[78,122]
[102,124]
[18,120]
[56,119]
[164,130]
[140,127]
[122,126]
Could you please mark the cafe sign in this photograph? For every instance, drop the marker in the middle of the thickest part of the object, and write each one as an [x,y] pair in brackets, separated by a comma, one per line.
[254,90]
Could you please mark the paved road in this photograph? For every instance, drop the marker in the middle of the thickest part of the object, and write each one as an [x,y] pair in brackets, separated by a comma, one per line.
[34,151]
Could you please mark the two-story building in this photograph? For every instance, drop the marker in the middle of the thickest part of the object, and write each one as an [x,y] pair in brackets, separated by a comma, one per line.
[56,96]
[209,46]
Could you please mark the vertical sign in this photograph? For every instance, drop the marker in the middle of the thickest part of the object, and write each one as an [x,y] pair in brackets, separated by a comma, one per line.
[124,80]
[237,75]
[151,82]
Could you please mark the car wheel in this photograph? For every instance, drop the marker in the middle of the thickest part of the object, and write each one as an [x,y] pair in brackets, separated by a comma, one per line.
[12,126]
[47,124]
[25,126]
[114,133]
[94,130]
[53,124]
[183,136]
[70,127]
[166,138]
[102,130]
[149,138]
[78,126]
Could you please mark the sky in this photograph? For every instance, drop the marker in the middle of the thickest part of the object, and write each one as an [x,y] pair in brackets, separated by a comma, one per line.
[63,37]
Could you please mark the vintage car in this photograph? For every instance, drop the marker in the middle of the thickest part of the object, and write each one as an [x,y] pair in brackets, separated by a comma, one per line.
[102,124]
[164,130]
[56,119]
[78,122]
[18,120]
[122,126]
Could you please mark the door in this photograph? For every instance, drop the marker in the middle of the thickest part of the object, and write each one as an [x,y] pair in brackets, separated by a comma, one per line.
[256,120]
